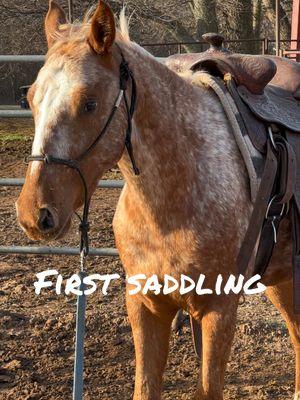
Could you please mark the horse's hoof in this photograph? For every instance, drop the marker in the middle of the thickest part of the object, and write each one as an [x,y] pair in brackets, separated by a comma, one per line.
[179,321]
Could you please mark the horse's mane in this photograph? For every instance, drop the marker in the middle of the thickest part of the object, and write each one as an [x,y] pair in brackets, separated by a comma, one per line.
[78,30]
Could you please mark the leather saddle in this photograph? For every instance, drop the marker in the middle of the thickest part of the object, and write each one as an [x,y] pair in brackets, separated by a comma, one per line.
[252,71]
[266,94]
[269,85]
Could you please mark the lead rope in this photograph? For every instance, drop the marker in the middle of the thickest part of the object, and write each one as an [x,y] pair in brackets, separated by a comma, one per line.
[81,302]
[80,332]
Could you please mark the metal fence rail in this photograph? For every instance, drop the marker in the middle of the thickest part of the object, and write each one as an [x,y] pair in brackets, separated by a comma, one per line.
[15,113]
[11,58]
[22,58]
[47,250]
[103,184]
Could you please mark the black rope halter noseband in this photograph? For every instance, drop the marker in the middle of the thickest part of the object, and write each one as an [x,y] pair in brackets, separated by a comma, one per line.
[125,76]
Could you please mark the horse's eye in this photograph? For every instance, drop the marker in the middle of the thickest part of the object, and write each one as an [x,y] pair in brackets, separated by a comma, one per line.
[90,106]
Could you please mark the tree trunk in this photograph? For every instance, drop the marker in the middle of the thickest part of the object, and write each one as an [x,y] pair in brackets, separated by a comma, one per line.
[258,18]
[270,7]
[237,22]
[204,12]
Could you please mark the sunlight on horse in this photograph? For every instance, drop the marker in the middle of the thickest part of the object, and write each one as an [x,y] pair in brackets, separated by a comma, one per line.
[186,213]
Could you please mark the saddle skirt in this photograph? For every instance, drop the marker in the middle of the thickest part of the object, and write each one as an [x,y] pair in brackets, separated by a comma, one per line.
[275,105]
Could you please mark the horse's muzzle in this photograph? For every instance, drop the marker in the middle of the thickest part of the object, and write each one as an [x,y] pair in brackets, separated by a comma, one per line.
[47,221]
[42,223]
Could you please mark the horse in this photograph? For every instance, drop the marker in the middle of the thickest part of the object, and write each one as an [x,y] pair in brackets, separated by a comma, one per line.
[185,213]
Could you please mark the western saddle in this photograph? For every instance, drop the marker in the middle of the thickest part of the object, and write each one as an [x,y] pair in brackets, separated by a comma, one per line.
[254,72]
[266,93]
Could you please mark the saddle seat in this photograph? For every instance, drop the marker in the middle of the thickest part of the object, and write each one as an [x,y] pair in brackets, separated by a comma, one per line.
[254,72]
[270,86]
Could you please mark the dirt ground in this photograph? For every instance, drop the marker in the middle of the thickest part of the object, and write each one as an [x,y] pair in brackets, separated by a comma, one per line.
[37,332]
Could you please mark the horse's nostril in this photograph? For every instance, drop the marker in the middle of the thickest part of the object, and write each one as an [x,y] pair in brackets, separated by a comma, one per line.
[46,220]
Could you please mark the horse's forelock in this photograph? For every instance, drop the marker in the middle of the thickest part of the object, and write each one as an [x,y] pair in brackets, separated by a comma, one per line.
[124,25]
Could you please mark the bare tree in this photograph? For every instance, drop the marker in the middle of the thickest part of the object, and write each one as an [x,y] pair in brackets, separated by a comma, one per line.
[151,21]
[205,16]
[236,22]
[284,11]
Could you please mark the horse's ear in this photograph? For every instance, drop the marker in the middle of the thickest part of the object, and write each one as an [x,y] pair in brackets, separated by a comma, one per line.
[55,17]
[103,29]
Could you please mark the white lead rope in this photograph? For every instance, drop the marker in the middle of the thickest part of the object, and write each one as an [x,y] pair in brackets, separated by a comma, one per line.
[80,332]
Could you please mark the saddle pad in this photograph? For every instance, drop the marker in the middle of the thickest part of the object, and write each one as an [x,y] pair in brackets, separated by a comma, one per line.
[254,160]
[275,105]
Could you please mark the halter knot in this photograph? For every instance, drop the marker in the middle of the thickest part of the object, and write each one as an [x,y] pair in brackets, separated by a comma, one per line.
[84,226]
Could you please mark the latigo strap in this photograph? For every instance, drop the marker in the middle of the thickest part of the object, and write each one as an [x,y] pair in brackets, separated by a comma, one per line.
[294,141]
[277,184]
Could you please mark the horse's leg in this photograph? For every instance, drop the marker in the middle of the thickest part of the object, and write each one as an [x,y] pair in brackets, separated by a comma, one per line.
[151,331]
[218,326]
[281,296]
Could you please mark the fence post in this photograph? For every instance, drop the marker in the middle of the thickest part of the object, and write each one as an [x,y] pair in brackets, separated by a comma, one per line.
[277,27]
[267,45]
[264,46]
[71,10]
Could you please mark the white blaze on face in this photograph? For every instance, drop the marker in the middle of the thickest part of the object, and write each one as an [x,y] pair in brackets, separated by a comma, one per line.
[56,84]
[52,97]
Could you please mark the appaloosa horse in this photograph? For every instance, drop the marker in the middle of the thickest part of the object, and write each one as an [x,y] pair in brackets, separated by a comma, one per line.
[187,211]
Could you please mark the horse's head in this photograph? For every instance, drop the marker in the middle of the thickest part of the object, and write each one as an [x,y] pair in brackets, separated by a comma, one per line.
[71,101]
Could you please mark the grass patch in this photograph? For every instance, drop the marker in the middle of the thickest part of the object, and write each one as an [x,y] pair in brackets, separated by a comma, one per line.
[16,130]
[13,137]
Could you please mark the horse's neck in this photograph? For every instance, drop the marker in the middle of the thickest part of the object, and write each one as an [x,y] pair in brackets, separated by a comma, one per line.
[167,137]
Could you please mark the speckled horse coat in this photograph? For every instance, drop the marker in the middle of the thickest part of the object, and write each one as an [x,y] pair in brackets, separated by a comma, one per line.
[185,214]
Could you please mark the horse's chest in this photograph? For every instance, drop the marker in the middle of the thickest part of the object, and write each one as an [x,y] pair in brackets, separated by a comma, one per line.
[142,250]
[147,246]
[145,249]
